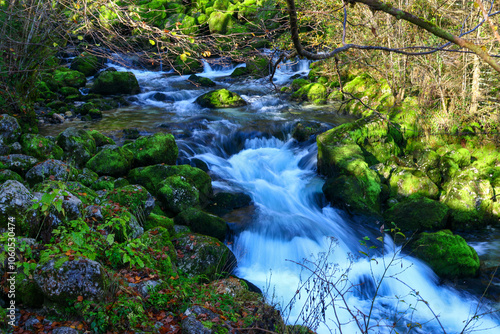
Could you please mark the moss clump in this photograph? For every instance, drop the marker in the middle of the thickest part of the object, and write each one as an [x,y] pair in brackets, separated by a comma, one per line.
[188,65]
[238,72]
[258,66]
[405,182]
[156,149]
[69,78]
[447,254]
[77,144]
[111,160]
[201,81]
[188,24]
[176,194]
[220,22]
[134,197]
[40,147]
[7,174]
[157,220]
[418,214]
[201,222]
[100,139]
[106,183]
[221,98]
[299,83]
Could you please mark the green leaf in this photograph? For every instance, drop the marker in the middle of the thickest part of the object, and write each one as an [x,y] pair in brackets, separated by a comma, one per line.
[363,253]
[183,57]
[110,239]
[152,42]
[80,38]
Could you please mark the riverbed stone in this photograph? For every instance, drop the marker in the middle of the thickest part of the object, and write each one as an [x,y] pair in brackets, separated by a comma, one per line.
[220,98]
[63,281]
[313,92]
[77,144]
[258,66]
[156,149]
[201,81]
[69,78]
[203,255]
[447,254]
[202,222]
[100,139]
[9,129]
[111,160]
[7,174]
[110,82]
[225,202]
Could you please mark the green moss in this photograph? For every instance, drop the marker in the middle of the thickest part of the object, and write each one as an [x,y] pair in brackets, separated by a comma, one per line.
[201,222]
[176,194]
[133,197]
[221,98]
[69,78]
[405,182]
[239,71]
[77,144]
[447,254]
[258,66]
[158,220]
[6,174]
[298,83]
[40,147]
[310,92]
[87,63]
[184,23]
[113,82]
[104,183]
[220,22]
[155,149]
[111,160]
[100,139]
[201,81]
[187,66]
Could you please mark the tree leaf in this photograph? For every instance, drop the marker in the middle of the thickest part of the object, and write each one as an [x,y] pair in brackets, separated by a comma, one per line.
[152,42]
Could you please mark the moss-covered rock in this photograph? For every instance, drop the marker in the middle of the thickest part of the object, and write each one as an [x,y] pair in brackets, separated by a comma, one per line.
[470,199]
[114,82]
[221,98]
[310,92]
[111,160]
[418,215]
[201,81]
[447,254]
[187,65]
[220,22]
[105,183]
[355,194]
[224,202]
[151,177]
[87,63]
[258,66]
[77,144]
[69,78]
[15,201]
[157,244]
[136,198]
[407,117]
[120,222]
[303,131]
[203,255]
[19,163]
[186,24]
[405,182]
[201,222]
[157,220]
[156,149]
[40,147]
[87,177]
[65,282]
[7,174]
[299,83]
[100,139]
[176,194]
[50,169]
[9,129]
[238,72]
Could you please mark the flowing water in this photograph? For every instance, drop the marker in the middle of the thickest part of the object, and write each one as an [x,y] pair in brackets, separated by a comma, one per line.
[323,268]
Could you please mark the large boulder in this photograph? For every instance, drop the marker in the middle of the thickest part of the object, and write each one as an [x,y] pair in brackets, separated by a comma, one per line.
[258,66]
[50,169]
[220,98]
[176,194]
[87,63]
[156,149]
[40,147]
[447,254]
[313,92]
[201,222]
[203,255]
[113,82]
[225,202]
[151,177]
[111,160]
[15,201]
[77,144]
[220,22]
[9,129]
[69,78]
[63,280]
[418,215]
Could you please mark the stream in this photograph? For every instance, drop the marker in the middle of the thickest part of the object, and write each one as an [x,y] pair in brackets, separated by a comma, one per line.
[320,266]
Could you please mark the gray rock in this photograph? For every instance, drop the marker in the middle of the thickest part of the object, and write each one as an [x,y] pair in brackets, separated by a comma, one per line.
[64,330]
[28,325]
[191,325]
[94,211]
[80,277]
[78,145]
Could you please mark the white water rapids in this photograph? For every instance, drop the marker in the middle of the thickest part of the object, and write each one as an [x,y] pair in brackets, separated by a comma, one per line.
[295,248]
